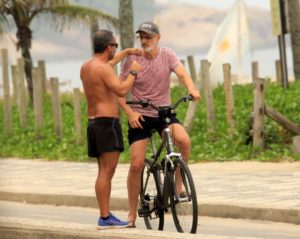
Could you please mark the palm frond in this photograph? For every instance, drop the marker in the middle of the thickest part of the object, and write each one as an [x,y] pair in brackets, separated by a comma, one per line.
[2,3]
[4,15]
[38,4]
[64,16]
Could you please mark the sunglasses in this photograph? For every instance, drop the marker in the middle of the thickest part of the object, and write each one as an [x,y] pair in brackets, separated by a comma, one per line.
[114,44]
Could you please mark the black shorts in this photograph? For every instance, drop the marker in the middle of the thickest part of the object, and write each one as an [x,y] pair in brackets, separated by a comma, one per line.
[104,134]
[150,123]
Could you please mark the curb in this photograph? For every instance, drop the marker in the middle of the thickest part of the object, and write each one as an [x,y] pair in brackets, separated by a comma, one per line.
[18,230]
[40,230]
[205,209]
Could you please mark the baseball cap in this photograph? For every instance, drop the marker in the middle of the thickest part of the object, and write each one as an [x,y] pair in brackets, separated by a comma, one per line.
[148,27]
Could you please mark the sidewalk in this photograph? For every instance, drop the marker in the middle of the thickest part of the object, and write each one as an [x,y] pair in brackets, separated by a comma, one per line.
[264,191]
[17,228]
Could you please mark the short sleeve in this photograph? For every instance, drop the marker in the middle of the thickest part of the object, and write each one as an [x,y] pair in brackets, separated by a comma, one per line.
[172,59]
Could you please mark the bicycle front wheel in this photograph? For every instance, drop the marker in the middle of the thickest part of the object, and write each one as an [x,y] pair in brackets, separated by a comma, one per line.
[150,201]
[184,203]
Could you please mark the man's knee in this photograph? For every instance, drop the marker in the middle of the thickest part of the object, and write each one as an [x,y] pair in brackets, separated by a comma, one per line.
[108,173]
[184,142]
[136,166]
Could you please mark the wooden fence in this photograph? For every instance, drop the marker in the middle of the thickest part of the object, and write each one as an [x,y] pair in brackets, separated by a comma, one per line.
[19,96]
[202,82]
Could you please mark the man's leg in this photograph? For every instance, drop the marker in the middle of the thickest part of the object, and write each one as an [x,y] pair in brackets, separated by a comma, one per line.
[183,142]
[137,152]
[107,163]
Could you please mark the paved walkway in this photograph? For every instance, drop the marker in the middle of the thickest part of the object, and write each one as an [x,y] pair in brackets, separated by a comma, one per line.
[28,229]
[254,190]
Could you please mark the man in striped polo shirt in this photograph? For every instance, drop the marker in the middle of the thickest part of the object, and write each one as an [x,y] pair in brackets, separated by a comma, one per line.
[152,83]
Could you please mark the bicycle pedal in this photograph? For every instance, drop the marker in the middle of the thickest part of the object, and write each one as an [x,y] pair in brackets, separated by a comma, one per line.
[144,212]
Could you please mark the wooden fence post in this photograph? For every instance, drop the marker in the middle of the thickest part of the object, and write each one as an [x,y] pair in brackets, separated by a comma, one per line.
[56,107]
[229,98]
[192,67]
[14,74]
[37,101]
[22,99]
[192,108]
[42,67]
[77,112]
[254,68]
[209,100]
[182,62]
[177,81]
[6,93]
[21,64]
[278,72]
[258,111]
[296,144]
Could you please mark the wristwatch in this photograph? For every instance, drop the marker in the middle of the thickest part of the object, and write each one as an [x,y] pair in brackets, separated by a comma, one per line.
[133,72]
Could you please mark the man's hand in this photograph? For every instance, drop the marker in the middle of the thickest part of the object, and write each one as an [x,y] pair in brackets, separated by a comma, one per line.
[133,119]
[135,66]
[136,51]
[195,94]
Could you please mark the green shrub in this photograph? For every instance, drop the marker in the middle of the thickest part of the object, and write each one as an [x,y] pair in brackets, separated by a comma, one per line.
[24,144]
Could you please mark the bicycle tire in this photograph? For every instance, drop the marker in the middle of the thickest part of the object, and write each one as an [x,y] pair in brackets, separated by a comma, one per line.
[184,208]
[150,186]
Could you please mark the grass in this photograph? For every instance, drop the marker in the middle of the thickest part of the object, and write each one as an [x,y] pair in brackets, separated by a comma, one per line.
[24,144]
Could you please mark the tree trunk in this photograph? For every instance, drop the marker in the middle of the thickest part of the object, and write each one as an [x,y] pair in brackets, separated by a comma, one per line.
[294,23]
[94,29]
[24,42]
[28,70]
[126,23]
[192,109]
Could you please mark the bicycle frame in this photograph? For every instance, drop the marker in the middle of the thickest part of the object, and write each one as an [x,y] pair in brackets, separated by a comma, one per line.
[166,143]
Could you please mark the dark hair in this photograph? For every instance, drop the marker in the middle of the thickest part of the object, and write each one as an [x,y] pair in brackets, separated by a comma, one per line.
[101,39]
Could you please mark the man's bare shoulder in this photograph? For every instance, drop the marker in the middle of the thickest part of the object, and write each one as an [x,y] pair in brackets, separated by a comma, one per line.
[85,68]
[102,69]
[94,67]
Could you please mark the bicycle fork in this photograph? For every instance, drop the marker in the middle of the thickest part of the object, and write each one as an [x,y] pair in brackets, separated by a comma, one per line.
[169,183]
[169,187]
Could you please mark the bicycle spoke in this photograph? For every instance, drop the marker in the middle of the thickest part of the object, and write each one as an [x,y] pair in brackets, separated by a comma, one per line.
[150,206]
[184,200]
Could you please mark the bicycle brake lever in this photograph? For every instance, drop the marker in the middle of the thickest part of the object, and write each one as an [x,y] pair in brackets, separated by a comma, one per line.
[189,97]
[145,103]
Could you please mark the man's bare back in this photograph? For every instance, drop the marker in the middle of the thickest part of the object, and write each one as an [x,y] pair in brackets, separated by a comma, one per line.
[102,87]
[101,101]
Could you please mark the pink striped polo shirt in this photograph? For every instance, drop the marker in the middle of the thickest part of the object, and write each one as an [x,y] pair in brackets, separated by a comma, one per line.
[153,81]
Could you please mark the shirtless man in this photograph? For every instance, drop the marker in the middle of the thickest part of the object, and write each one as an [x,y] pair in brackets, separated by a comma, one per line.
[105,142]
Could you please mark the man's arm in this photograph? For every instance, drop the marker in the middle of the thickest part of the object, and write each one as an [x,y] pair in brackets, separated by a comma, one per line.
[133,117]
[126,108]
[122,54]
[187,81]
[120,88]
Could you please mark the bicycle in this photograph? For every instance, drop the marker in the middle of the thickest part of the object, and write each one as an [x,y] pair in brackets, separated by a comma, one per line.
[159,191]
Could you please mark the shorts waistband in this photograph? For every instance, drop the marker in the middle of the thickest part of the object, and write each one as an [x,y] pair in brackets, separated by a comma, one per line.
[103,119]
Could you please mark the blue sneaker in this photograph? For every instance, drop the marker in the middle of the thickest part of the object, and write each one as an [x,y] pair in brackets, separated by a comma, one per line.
[111,222]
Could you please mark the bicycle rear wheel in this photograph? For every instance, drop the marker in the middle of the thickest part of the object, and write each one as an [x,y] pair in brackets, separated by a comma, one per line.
[184,205]
[151,208]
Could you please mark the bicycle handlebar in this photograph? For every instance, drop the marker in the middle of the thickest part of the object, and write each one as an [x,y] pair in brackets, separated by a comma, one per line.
[146,103]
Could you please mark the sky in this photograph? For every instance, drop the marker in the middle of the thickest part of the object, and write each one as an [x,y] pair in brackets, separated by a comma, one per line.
[266,57]
[221,3]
